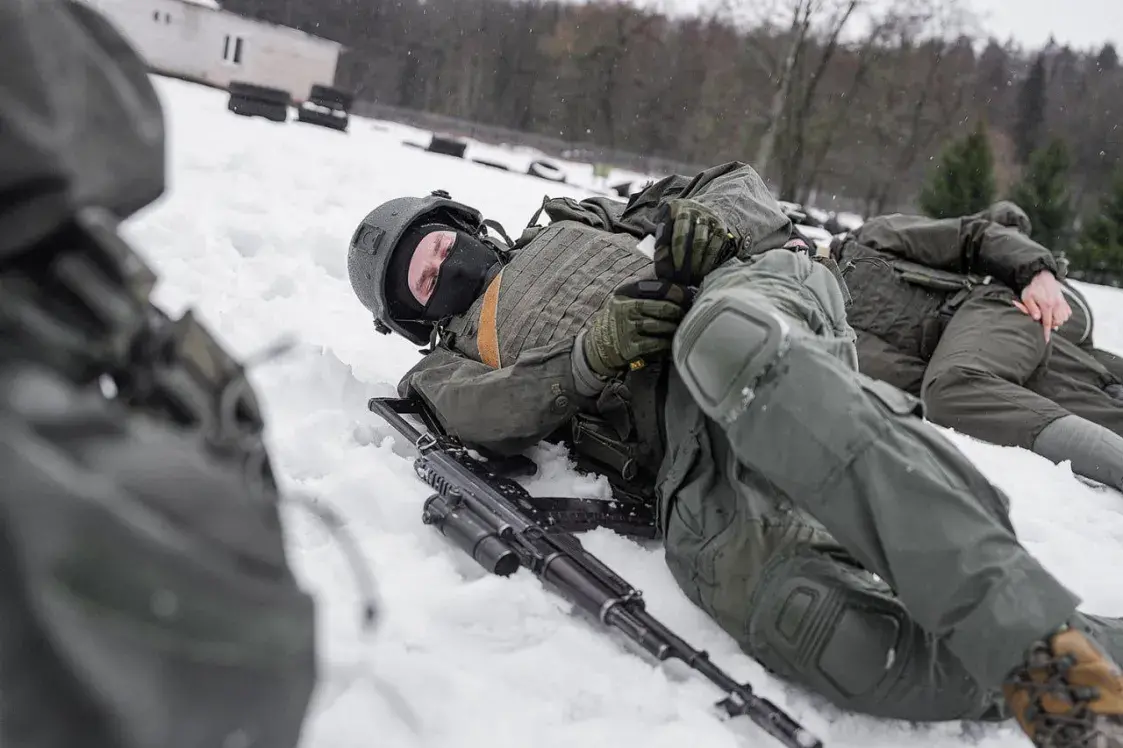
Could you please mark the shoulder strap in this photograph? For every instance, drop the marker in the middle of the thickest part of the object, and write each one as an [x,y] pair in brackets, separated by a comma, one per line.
[487,339]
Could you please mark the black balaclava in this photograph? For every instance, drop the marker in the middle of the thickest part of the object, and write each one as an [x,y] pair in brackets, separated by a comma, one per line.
[400,301]
[463,276]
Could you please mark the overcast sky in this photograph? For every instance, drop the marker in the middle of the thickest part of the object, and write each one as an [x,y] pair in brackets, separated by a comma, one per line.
[1082,24]
[1079,23]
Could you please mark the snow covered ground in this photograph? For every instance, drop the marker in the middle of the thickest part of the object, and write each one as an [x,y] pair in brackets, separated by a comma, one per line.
[519,159]
[253,233]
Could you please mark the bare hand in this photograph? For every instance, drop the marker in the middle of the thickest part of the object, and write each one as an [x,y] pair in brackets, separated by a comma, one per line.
[1044,300]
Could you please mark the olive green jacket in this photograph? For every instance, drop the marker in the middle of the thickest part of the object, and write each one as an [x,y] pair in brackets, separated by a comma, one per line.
[903,271]
[537,392]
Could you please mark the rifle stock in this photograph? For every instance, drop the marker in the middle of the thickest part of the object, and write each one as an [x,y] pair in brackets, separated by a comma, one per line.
[489,517]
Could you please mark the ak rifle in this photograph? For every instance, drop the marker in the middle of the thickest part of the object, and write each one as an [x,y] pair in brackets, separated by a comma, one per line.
[498,523]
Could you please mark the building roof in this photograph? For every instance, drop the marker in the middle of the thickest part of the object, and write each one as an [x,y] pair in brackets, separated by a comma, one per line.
[213,5]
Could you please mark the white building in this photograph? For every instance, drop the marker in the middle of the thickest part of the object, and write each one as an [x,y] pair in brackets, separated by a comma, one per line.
[197,40]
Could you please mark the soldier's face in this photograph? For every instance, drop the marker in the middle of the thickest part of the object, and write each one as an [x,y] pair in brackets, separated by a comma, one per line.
[426,262]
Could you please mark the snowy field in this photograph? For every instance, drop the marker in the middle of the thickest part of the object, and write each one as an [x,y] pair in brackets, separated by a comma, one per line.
[253,233]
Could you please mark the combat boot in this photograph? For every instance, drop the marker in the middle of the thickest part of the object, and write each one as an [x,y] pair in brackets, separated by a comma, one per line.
[1068,694]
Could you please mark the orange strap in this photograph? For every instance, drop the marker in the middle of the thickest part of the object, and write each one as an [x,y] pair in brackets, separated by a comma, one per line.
[487,339]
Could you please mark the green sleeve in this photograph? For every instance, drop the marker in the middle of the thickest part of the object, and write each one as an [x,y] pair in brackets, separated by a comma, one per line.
[504,410]
[1007,254]
[960,245]
[735,192]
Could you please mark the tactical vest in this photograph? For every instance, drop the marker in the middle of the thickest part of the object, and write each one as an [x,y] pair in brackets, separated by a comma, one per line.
[548,292]
[904,303]
[551,288]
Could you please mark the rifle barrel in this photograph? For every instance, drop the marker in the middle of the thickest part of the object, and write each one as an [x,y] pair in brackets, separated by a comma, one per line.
[487,525]
[644,629]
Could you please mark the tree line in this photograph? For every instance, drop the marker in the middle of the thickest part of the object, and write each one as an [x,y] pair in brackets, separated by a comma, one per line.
[963,182]
[838,103]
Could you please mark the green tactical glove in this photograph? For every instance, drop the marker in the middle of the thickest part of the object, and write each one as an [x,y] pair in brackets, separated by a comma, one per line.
[690,241]
[637,323]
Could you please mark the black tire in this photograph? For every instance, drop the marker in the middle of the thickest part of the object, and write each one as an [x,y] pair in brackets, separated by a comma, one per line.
[261,93]
[491,164]
[332,98]
[246,107]
[322,119]
[447,146]
[546,170]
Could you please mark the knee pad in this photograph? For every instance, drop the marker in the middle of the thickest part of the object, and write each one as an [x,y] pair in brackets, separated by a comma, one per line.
[840,632]
[723,349]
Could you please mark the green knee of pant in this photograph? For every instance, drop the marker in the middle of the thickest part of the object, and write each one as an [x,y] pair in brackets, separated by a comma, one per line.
[838,631]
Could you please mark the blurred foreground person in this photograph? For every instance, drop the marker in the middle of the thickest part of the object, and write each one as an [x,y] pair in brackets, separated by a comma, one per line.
[145,596]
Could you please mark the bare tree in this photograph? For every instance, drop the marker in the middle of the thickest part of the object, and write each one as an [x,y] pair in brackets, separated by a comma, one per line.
[915,101]
[839,41]
[798,32]
[845,99]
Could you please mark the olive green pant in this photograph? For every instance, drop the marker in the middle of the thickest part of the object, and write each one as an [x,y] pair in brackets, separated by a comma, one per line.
[992,375]
[840,540]
[1112,363]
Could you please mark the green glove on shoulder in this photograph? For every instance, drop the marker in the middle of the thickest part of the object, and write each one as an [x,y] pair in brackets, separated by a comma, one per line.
[691,240]
[637,323]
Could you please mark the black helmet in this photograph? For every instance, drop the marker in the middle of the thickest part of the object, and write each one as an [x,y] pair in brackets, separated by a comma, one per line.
[375,240]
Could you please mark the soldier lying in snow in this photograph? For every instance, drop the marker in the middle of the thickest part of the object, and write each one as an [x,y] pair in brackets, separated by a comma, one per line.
[783,476]
[944,309]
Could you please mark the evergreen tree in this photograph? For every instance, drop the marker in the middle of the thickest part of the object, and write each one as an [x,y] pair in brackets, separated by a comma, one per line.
[963,181]
[1031,111]
[1098,256]
[1043,194]
[1108,59]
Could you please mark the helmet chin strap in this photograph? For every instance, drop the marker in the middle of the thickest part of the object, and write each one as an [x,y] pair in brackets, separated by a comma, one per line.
[493,224]
[434,339]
